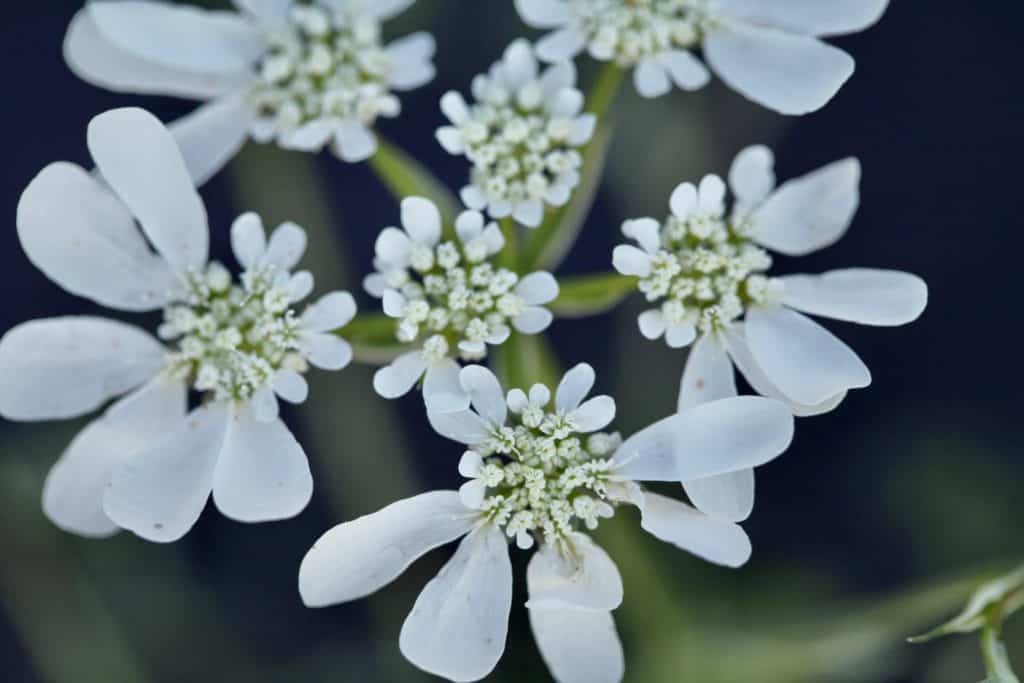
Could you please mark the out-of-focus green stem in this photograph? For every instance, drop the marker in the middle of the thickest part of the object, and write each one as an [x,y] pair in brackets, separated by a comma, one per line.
[993,651]
[406,177]
[604,90]
[509,256]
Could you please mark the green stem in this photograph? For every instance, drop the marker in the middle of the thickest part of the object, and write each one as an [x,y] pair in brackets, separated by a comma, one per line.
[993,651]
[509,255]
[604,89]
[404,177]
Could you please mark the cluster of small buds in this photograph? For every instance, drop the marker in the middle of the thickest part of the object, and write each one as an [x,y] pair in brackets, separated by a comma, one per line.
[627,32]
[455,297]
[325,63]
[707,271]
[233,339]
[538,475]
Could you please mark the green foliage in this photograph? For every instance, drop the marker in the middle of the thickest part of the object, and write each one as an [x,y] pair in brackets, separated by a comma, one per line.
[587,295]
[372,336]
[524,360]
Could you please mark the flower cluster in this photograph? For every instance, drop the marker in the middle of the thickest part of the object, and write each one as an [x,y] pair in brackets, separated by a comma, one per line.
[448,296]
[523,136]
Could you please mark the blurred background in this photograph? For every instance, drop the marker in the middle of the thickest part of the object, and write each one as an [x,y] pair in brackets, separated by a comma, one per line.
[874,526]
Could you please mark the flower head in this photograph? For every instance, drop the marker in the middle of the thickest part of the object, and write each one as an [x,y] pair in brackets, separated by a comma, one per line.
[306,74]
[522,135]
[706,268]
[542,474]
[770,52]
[146,465]
[449,297]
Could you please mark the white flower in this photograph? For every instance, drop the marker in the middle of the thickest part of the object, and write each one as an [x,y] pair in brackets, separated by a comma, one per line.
[147,465]
[304,74]
[522,136]
[547,480]
[706,269]
[449,299]
[768,50]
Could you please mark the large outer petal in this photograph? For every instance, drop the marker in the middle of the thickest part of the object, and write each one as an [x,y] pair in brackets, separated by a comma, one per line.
[76,231]
[210,136]
[707,440]
[58,368]
[587,580]
[359,557]
[180,36]
[140,159]
[789,73]
[458,626]
[805,361]
[810,212]
[97,60]
[809,17]
[73,491]
[159,492]
[709,538]
[262,473]
[861,295]
[579,646]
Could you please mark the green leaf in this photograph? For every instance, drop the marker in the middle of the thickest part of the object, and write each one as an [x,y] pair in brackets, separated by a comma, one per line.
[524,360]
[587,295]
[549,244]
[372,336]
[406,177]
[1007,592]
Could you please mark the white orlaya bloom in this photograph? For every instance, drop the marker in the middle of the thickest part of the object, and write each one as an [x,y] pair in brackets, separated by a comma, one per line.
[705,267]
[549,472]
[304,74]
[449,299]
[148,464]
[522,134]
[770,51]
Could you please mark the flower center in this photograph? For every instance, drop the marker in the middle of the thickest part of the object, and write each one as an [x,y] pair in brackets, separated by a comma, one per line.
[232,339]
[629,30]
[324,64]
[543,477]
[708,272]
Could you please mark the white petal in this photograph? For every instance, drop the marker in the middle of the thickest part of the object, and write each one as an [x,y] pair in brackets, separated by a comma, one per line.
[586,580]
[533,320]
[485,392]
[520,66]
[331,312]
[646,232]
[96,59]
[375,285]
[210,136]
[286,247]
[727,496]
[473,493]
[683,200]
[473,197]
[393,303]
[58,368]
[711,193]
[248,240]
[299,286]
[811,212]
[631,261]
[651,323]
[160,492]
[789,73]
[325,351]
[73,492]
[810,17]
[651,78]
[309,137]
[458,626]
[561,45]
[861,295]
[354,141]
[537,288]
[578,646]
[805,361]
[574,387]
[679,336]
[752,176]
[675,522]
[140,159]
[529,213]
[540,395]
[266,11]
[421,220]
[442,390]
[397,379]
[411,58]
[708,375]
[451,139]
[558,77]
[469,225]
[707,440]
[382,9]
[463,426]
[517,401]
[393,247]
[471,464]
[544,13]
[74,230]
[594,415]
[357,558]
[291,386]
[686,71]
[262,474]
[263,404]
[454,107]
